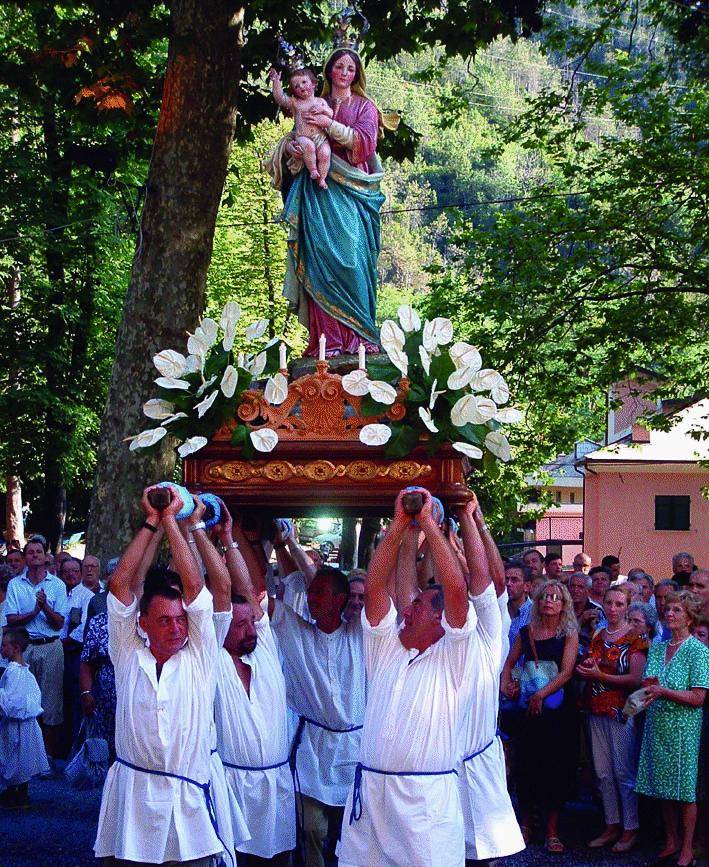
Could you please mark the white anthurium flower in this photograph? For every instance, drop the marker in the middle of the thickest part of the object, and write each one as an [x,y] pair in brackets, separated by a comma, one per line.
[208,330]
[256,329]
[464,355]
[205,385]
[193,363]
[158,408]
[147,438]
[498,444]
[356,383]
[425,359]
[229,336]
[427,419]
[460,377]
[437,332]
[409,318]
[462,409]
[173,418]
[391,336]
[500,393]
[170,363]
[230,377]
[170,382]
[191,445]
[480,410]
[205,405]
[276,390]
[382,391]
[487,379]
[197,345]
[468,450]
[258,365]
[509,415]
[264,440]
[399,359]
[434,394]
[231,314]
[375,434]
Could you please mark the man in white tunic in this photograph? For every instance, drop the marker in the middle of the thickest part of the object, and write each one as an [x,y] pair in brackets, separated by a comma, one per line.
[491,828]
[325,681]
[404,808]
[251,716]
[157,806]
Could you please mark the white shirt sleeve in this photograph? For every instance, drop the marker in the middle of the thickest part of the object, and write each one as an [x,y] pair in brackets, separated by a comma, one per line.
[460,644]
[200,627]
[222,622]
[379,639]
[122,637]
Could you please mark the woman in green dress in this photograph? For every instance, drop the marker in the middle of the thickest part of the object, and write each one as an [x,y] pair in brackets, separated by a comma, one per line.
[677,679]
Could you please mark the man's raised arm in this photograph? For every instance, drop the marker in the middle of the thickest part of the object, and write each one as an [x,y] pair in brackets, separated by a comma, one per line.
[240,579]
[475,552]
[448,570]
[182,558]
[123,579]
[494,560]
[217,572]
[377,601]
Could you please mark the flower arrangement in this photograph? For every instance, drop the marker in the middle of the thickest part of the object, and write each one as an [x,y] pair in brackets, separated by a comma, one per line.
[199,391]
[451,397]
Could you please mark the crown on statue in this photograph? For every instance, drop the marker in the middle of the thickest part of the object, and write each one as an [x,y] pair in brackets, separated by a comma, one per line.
[349,26]
[289,57]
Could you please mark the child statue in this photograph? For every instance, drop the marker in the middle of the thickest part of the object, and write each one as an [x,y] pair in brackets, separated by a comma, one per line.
[311,139]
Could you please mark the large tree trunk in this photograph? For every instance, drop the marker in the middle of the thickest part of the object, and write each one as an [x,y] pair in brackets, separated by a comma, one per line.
[166,293]
[14,528]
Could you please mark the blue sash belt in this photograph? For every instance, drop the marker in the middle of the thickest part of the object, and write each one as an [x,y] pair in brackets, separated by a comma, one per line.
[205,787]
[356,811]
[313,722]
[256,767]
[479,752]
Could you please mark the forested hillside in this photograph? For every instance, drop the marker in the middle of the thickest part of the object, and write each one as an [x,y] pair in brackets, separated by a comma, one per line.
[555,208]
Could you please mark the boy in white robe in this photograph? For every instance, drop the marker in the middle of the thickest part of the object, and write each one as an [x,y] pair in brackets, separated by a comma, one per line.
[22,753]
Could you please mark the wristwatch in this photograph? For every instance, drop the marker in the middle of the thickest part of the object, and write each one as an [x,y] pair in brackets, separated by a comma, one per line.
[200,525]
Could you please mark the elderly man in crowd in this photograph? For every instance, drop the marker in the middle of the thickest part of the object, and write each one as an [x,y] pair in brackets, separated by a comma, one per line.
[699,585]
[682,568]
[582,563]
[589,614]
[251,714]
[491,828]
[37,600]
[78,596]
[645,583]
[404,807]
[554,567]
[662,590]
[600,582]
[324,671]
[156,804]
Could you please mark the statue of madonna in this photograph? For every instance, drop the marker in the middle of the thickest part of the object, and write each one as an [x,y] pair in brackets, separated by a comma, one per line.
[334,235]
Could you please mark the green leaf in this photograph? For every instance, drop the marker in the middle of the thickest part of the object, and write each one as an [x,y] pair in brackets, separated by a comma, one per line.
[370,406]
[441,368]
[404,438]
[239,435]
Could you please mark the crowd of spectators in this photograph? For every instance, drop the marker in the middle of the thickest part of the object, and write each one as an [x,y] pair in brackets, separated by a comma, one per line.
[596,668]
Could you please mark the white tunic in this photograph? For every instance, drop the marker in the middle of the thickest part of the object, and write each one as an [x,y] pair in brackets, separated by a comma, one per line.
[325,682]
[77,597]
[161,725]
[412,722]
[252,731]
[22,754]
[491,829]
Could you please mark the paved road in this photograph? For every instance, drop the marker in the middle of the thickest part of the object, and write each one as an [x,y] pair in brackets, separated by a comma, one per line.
[58,829]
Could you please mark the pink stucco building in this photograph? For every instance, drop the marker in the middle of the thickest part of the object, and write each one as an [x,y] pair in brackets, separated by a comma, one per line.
[642,496]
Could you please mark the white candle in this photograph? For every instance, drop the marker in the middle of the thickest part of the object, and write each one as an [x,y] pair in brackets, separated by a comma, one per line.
[362,352]
[240,360]
[282,356]
[321,356]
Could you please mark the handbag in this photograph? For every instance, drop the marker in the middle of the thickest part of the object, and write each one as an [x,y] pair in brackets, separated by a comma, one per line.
[536,674]
[89,765]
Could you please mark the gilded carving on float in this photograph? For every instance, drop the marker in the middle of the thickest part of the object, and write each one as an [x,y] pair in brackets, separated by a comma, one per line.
[316,471]
[317,408]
